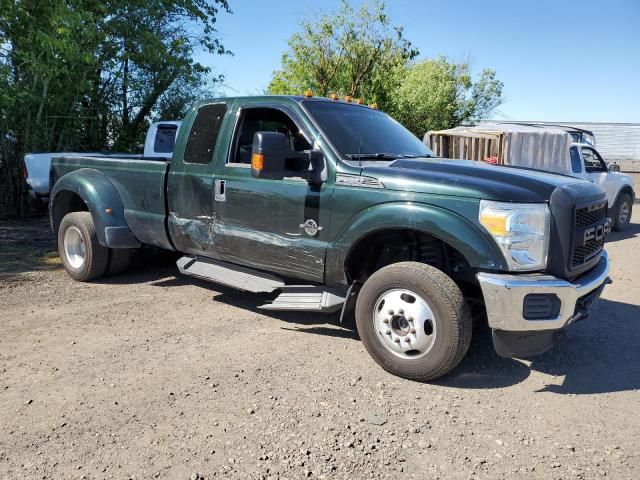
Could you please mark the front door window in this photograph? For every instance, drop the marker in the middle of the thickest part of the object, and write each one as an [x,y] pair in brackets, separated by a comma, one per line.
[265,120]
[593,162]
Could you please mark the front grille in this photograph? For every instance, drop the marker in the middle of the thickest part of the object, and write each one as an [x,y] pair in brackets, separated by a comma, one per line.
[586,252]
[585,217]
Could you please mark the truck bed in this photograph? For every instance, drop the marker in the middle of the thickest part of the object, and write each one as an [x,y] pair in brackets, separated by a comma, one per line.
[140,182]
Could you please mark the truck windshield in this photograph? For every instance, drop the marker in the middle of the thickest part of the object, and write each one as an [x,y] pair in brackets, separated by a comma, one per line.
[363,133]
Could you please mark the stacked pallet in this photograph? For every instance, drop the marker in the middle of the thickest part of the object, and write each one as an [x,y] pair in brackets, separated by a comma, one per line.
[505,144]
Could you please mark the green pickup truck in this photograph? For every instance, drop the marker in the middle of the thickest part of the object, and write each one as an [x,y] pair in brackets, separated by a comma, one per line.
[334,206]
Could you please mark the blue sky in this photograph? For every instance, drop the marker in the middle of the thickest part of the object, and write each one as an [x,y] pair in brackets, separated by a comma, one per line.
[559,60]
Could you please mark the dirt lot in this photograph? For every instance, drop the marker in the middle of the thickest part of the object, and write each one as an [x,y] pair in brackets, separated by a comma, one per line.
[150,375]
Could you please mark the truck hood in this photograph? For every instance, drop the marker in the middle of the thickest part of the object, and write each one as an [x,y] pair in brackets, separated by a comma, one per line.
[464,178]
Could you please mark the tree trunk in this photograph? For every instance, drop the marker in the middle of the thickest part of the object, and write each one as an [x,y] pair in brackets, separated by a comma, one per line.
[125,88]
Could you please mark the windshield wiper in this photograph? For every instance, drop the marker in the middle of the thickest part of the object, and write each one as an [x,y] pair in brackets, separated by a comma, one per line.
[374,156]
[426,155]
[383,156]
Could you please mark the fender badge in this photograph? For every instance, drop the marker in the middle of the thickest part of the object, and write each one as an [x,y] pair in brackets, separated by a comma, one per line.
[310,227]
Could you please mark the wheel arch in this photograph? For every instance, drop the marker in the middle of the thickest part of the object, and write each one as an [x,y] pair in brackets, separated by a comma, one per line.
[625,189]
[66,201]
[454,231]
[90,190]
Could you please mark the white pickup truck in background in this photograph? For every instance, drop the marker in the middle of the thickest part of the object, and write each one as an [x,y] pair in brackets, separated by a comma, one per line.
[159,143]
[587,163]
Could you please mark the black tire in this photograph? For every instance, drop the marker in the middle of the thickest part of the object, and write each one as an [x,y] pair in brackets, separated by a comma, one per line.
[96,256]
[453,320]
[119,261]
[624,200]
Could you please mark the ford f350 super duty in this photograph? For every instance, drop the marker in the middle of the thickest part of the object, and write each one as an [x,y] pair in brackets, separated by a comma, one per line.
[334,206]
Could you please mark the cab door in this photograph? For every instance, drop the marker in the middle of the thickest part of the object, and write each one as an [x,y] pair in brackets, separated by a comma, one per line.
[280,226]
[191,180]
[577,164]
[598,173]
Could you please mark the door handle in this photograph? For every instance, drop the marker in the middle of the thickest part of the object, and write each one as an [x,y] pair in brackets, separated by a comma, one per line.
[220,191]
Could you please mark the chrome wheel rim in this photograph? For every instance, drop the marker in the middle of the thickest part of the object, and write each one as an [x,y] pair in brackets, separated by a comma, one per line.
[623,216]
[74,248]
[405,323]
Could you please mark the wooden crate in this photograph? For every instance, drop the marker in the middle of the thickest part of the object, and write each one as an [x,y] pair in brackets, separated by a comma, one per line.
[468,145]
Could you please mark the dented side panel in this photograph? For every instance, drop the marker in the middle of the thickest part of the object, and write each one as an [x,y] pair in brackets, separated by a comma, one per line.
[190,191]
[260,224]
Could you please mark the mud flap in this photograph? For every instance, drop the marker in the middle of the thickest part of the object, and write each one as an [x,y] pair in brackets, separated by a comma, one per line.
[523,344]
[349,305]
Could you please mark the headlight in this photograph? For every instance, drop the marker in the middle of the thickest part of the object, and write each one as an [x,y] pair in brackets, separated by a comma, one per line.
[521,230]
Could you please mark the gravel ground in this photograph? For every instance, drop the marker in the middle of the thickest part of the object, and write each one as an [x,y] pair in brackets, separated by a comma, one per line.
[152,375]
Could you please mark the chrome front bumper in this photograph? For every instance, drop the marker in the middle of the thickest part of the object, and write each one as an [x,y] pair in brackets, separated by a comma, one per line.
[504,297]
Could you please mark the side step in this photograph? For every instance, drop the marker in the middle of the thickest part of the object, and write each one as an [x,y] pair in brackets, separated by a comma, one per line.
[227,274]
[307,298]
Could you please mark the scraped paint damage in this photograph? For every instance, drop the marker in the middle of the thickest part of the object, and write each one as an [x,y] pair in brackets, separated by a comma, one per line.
[285,253]
[198,230]
[280,252]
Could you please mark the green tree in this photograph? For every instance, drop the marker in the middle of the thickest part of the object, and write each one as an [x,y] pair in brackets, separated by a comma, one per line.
[86,75]
[359,53]
[437,94]
[46,60]
[151,45]
[349,52]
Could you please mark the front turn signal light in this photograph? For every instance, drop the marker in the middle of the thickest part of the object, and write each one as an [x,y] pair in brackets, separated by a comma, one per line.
[495,223]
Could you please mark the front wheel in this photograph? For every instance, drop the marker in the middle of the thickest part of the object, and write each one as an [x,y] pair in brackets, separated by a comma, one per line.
[622,212]
[413,320]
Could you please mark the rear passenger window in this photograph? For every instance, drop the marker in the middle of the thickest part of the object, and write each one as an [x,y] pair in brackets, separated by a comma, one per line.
[165,138]
[576,161]
[204,133]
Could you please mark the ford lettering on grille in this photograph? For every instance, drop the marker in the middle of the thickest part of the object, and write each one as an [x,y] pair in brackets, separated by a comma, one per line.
[597,233]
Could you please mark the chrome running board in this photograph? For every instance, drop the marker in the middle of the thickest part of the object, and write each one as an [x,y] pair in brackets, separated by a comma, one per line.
[308,298]
[228,274]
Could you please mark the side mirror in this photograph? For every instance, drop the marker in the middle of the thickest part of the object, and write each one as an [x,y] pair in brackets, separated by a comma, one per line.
[268,155]
[613,167]
[271,158]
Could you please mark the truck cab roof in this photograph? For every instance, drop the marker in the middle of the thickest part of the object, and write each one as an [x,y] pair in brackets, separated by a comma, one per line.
[279,99]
